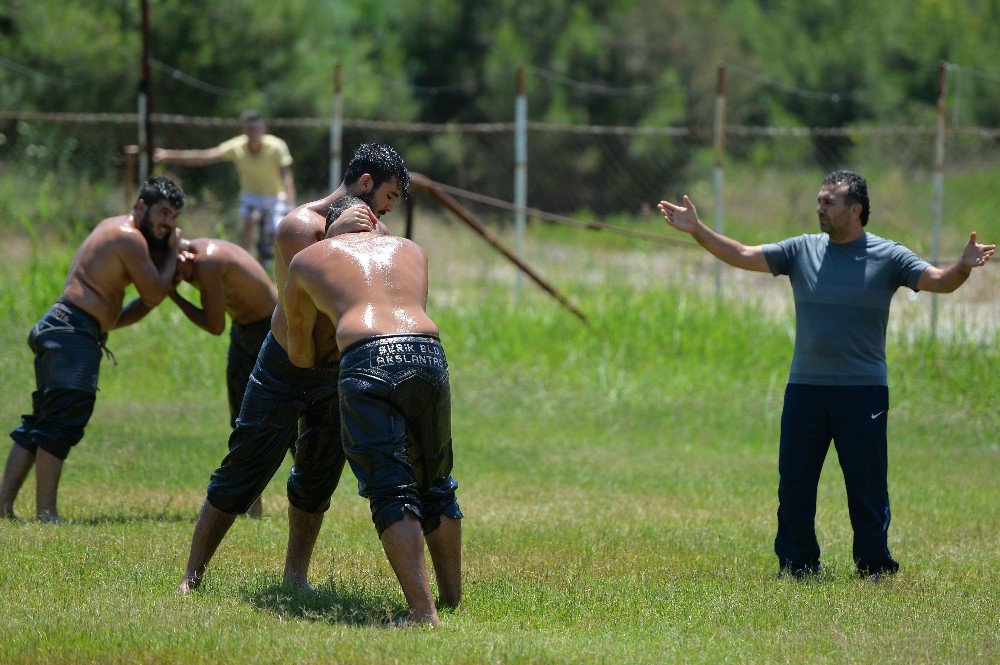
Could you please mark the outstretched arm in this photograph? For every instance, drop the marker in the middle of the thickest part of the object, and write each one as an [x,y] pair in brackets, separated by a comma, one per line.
[946,280]
[685,218]
[300,312]
[189,157]
[286,177]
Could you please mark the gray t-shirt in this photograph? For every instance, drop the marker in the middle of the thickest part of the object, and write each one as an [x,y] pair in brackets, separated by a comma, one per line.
[842,296]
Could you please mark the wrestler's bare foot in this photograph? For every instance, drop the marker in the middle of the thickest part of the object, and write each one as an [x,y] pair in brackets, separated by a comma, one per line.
[7,513]
[49,517]
[188,584]
[412,620]
[300,583]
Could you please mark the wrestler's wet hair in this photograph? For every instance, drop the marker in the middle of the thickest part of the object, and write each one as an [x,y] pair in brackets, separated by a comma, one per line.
[381,162]
[338,207]
[159,189]
[857,190]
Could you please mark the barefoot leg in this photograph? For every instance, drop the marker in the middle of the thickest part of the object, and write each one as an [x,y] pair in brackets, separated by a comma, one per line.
[19,463]
[212,526]
[403,542]
[303,529]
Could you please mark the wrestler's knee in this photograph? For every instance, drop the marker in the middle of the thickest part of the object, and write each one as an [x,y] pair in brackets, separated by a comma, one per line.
[314,479]
[300,496]
[435,510]
[255,454]
[230,497]
[385,514]
[60,426]
[228,503]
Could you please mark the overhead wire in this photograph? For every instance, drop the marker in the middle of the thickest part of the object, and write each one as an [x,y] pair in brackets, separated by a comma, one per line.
[27,71]
[597,88]
[973,72]
[187,79]
[834,97]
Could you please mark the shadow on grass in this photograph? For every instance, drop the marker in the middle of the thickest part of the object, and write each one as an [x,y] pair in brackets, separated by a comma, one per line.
[332,602]
[133,518]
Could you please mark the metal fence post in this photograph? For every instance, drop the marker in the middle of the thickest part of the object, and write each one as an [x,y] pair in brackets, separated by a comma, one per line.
[411,206]
[938,198]
[719,132]
[128,165]
[145,101]
[336,130]
[143,148]
[520,171]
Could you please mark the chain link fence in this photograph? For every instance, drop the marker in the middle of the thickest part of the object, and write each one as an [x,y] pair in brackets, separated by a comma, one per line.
[590,172]
[755,183]
[614,174]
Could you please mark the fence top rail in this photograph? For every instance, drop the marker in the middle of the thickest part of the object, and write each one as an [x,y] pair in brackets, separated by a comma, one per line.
[89,118]
[473,127]
[617,129]
[494,127]
[982,132]
[898,130]
[203,121]
[346,122]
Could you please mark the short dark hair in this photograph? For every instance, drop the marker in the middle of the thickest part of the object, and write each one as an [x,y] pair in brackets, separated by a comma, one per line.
[251,116]
[338,207]
[381,162]
[159,189]
[857,190]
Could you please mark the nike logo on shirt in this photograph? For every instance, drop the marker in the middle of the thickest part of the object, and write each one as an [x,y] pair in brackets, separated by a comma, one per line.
[876,415]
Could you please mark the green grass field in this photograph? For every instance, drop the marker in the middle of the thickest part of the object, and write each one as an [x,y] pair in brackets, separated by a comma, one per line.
[619,483]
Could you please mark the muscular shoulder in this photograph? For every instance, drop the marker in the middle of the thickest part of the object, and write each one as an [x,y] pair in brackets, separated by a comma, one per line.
[120,233]
[213,255]
[314,254]
[409,245]
[302,221]
[297,230]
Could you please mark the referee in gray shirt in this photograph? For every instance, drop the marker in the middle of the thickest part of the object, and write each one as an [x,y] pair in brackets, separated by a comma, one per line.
[843,280]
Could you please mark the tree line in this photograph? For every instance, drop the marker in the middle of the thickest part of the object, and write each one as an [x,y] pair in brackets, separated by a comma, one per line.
[400,57]
[643,63]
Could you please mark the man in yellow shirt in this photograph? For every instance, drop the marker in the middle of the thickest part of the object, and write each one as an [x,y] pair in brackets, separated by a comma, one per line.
[263,163]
